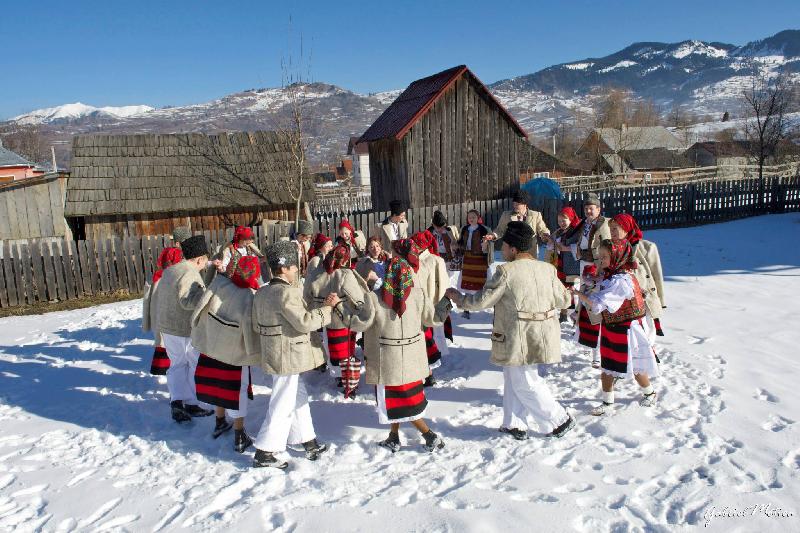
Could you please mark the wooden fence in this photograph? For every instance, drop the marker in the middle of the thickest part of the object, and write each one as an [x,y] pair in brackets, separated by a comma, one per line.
[33,207]
[47,270]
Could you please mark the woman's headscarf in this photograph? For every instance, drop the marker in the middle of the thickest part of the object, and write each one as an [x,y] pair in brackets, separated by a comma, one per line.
[316,246]
[425,241]
[628,223]
[247,273]
[621,257]
[397,284]
[167,258]
[574,219]
[346,224]
[337,258]
[407,249]
[241,233]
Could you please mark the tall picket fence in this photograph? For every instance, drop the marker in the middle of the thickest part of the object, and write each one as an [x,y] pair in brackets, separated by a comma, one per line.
[48,270]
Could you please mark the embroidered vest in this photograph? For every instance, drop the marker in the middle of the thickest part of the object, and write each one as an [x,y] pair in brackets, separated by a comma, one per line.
[235,256]
[630,309]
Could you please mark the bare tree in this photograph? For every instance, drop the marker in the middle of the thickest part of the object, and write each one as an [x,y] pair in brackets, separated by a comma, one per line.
[765,101]
[26,140]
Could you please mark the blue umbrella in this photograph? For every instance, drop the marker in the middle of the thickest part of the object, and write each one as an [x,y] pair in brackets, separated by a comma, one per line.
[543,188]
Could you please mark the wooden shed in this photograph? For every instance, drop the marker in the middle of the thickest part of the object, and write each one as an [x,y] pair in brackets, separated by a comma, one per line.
[148,184]
[444,140]
[33,208]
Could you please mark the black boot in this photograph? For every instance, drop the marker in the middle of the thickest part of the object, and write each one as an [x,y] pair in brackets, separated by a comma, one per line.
[241,441]
[197,411]
[466,315]
[430,381]
[314,449]
[264,459]
[339,383]
[179,414]
[562,429]
[519,434]
[221,427]
[433,441]
[322,368]
[392,443]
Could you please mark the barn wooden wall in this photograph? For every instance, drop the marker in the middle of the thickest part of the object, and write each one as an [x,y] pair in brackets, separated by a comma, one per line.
[33,208]
[164,223]
[463,149]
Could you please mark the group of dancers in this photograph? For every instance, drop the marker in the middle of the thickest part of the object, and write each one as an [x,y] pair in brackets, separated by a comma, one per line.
[217,319]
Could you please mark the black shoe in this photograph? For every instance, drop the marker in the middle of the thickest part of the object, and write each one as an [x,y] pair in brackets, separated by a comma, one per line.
[339,383]
[519,434]
[562,429]
[264,459]
[241,441]
[314,449]
[430,381]
[392,443]
[466,315]
[433,441]
[221,427]
[322,368]
[360,342]
[197,411]
[179,413]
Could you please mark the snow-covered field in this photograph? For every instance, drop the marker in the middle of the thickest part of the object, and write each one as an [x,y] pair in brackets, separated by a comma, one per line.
[86,442]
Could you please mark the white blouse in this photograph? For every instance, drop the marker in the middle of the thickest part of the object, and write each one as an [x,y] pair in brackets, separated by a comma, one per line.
[612,293]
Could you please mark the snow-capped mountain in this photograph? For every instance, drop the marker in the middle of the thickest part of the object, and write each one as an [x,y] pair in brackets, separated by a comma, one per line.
[79,111]
[706,77]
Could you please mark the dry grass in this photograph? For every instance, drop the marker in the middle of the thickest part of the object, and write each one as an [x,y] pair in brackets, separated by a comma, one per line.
[68,305]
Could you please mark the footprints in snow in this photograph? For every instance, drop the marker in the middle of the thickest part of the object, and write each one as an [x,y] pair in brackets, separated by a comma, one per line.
[765,395]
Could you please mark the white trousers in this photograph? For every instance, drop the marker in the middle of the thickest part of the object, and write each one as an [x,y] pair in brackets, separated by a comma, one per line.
[526,393]
[241,412]
[289,419]
[182,364]
[441,340]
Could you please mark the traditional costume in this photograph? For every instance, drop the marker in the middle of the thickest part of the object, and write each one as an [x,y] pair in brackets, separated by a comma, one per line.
[531,218]
[431,276]
[236,250]
[160,361]
[390,230]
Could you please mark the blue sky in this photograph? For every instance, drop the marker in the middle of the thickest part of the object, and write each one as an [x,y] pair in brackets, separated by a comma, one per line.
[176,52]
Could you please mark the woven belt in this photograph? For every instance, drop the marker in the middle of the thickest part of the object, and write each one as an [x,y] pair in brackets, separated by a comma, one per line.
[538,317]
[399,342]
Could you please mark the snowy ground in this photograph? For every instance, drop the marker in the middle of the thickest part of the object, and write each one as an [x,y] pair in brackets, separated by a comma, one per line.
[87,444]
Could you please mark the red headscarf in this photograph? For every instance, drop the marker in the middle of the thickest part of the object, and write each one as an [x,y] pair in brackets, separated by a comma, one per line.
[589,271]
[628,223]
[621,257]
[167,258]
[407,249]
[425,241]
[242,233]
[316,246]
[397,284]
[337,258]
[346,224]
[247,272]
[574,219]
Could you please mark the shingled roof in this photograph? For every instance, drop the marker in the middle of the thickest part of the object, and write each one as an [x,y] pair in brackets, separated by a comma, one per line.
[170,173]
[418,98]
[12,159]
[655,159]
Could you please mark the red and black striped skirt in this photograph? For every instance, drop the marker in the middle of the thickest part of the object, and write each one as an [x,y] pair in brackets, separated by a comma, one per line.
[473,271]
[434,355]
[614,348]
[401,403]
[219,383]
[160,363]
[341,344]
[588,333]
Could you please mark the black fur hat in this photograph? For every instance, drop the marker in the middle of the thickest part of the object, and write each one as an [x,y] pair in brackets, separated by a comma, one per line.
[194,247]
[519,235]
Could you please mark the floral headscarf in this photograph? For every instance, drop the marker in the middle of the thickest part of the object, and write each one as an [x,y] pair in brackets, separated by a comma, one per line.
[316,246]
[337,258]
[241,233]
[407,249]
[346,224]
[167,258]
[628,223]
[397,284]
[425,241]
[621,257]
[247,273]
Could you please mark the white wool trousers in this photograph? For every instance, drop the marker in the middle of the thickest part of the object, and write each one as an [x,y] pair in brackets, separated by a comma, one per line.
[243,399]
[182,364]
[525,394]
[289,419]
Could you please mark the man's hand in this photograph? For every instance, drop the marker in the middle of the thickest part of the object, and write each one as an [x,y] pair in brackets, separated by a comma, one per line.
[332,300]
[454,295]
[218,264]
[372,277]
[489,237]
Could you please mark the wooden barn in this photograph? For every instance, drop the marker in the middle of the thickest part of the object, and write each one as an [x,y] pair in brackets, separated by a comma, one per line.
[138,185]
[444,140]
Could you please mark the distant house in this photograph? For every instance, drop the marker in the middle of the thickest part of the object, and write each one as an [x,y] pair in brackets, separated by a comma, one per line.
[738,153]
[149,184]
[445,140]
[645,160]
[15,167]
[604,141]
[536,163]
[359,154]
